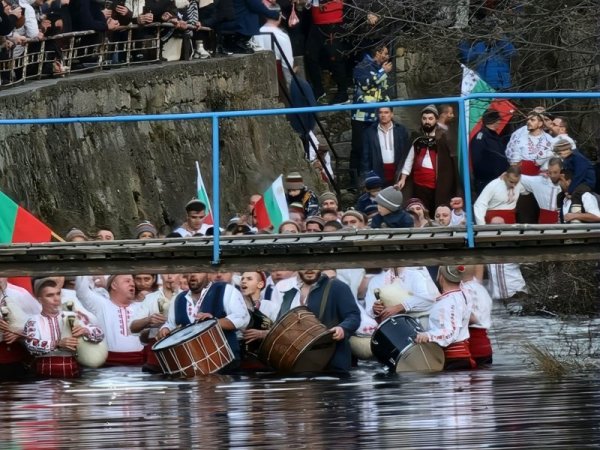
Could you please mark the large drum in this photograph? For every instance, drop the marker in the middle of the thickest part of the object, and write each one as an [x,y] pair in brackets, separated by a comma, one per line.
[360,345]
[298,342]
[199,348]
[393,345]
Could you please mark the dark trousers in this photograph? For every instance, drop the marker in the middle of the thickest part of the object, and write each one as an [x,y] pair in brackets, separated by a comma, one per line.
[527,209]
[356,151]
[323,40]
[427,196]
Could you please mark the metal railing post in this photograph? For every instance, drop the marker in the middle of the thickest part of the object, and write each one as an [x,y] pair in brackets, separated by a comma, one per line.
[463,138]
[216,209]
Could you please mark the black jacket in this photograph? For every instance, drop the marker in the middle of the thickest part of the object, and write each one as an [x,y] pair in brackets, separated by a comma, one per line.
[488,157]
[371,155]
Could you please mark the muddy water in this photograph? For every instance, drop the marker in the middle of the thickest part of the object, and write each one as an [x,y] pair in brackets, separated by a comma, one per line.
[509,406]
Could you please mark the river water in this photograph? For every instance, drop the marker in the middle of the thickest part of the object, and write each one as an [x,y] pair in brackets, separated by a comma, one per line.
[513,405]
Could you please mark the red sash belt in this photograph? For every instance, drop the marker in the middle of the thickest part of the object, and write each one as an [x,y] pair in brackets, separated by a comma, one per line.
[12,353]
[125,358]
[459,351]
[509,215]
[57,367]
[389,173]
[150,357]
[479,343]
[548,217]
[530,168]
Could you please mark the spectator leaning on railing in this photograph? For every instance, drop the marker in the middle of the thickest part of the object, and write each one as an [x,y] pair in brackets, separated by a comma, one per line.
[8,17]
[29,30]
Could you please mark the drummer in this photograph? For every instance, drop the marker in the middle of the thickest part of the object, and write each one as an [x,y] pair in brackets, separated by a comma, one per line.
[45,333]
[449,320]
[207,300]
[340,311]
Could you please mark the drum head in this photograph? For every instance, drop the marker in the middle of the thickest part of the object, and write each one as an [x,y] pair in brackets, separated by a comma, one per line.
[427,357]
[393,336]
[316,357]
[184,334]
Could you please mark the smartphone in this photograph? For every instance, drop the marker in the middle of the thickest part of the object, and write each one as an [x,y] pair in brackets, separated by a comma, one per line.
[146,10]
[108,4]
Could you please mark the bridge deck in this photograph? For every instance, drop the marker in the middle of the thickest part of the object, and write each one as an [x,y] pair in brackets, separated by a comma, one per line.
[364,248]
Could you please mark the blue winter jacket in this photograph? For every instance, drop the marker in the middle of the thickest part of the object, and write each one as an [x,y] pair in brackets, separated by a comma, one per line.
[491,61]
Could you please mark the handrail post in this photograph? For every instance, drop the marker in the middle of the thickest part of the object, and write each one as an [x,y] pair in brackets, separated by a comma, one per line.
[216,210]
[464,155]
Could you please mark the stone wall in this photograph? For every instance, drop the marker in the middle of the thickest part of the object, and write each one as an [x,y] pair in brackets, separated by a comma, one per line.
[120,173]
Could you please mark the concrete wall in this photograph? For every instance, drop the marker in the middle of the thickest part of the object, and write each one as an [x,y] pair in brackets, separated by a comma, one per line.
[118,174]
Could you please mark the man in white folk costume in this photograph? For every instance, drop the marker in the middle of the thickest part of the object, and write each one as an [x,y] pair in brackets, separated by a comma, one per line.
[449,320]
[114,317]
[207,300]
[53,337]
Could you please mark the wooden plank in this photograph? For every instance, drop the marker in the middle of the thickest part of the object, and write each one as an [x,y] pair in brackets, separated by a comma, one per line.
[292,262]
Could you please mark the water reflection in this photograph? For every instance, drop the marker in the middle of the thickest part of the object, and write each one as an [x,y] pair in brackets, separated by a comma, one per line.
[509,406]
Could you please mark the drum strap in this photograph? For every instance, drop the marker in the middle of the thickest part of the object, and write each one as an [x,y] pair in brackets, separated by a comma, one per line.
[324,300]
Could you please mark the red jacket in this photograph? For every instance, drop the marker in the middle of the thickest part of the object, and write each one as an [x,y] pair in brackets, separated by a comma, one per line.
[328,12]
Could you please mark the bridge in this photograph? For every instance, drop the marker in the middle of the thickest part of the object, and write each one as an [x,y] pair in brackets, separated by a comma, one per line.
[360,248]
[370,248]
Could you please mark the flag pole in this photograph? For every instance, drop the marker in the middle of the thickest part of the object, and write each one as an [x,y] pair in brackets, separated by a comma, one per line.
[56,236]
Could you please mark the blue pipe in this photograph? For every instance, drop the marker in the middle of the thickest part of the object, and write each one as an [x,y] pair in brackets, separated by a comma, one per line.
[464,153]
[216,182]
[224,114]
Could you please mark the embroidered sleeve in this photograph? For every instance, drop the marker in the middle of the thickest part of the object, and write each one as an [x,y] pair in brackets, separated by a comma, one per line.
[34,340]
[512,149]
[446,332]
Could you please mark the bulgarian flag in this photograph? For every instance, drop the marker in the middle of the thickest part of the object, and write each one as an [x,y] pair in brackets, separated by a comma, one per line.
[472,83]
[272,208]
[17,226]
[203,197]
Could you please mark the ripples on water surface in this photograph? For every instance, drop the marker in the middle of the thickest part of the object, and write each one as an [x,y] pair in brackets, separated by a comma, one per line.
[509,406]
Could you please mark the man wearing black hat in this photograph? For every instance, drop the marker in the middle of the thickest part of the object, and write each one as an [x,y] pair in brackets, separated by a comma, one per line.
[196,212]
[449,320]
[488,151]
[430,164]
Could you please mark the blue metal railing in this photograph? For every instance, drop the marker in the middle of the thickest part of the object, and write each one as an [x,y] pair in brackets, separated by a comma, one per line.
[216,116]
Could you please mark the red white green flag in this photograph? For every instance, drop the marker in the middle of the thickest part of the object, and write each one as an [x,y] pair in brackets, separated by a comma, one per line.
[272,208]
[472,83]
[17,225]
[203,197]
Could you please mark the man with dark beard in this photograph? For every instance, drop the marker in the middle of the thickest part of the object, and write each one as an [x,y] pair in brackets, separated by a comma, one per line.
[339,312]
[206,300]
[430,164]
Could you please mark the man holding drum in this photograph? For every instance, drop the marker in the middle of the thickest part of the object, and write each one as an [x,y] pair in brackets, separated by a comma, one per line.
[205,300]
[332,302]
